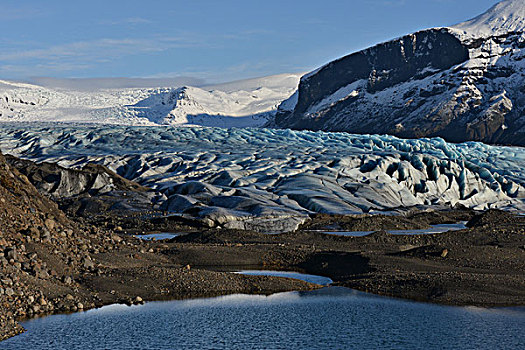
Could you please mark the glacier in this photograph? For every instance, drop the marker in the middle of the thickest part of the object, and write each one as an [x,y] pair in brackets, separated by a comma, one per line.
[271,180]
[244,103]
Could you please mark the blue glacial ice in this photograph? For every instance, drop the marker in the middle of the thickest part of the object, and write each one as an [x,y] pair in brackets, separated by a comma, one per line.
[266,179]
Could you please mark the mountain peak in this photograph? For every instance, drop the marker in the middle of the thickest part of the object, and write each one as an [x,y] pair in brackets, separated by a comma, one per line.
[506,16]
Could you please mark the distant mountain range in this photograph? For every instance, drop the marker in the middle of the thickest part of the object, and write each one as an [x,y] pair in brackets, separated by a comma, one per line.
[461,83]
[246,103]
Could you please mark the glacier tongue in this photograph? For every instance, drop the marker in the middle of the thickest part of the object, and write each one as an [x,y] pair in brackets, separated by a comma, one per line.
[271,180]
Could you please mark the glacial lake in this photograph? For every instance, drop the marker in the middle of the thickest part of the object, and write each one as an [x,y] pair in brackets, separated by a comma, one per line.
[329,318]
[426,231]
[158,236]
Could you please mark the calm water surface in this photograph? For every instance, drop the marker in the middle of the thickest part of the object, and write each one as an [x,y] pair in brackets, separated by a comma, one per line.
[427,231]
[158,236]
[330,318]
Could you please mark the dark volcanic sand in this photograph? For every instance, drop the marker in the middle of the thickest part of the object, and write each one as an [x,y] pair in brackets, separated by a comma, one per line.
[483,265]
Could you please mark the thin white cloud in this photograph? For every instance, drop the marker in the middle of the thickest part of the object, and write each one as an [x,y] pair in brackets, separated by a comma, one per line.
[9,12]
[12,69]
[76,57]
[236,72]
[30,58]
[127,21]
[42,68]
[98,49]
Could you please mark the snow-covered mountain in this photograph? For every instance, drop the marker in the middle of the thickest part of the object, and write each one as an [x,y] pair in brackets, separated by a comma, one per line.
[241,104]
[504,17]
[461,83]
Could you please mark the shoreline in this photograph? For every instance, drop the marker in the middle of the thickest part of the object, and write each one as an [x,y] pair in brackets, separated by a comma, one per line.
[20,330]
[252,285]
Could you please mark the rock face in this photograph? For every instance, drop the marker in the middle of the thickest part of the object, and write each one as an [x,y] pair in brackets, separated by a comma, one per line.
[383,66]
[86,191]
[462,83]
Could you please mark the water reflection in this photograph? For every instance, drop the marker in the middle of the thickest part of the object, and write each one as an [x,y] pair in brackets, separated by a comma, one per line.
[330,318]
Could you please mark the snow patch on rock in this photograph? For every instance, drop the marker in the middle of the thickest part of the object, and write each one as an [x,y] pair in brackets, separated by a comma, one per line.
[349,91]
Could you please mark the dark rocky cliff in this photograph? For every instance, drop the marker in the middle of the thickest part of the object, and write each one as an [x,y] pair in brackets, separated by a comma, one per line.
[431,83]
[384,65]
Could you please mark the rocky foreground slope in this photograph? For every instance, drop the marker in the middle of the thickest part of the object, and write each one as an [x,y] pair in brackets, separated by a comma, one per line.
[39,247]
[460,83]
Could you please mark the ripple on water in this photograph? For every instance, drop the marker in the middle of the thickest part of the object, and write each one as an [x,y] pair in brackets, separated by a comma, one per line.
[330,318]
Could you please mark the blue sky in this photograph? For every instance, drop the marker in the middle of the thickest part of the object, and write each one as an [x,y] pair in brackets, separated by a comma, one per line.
[212,40]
